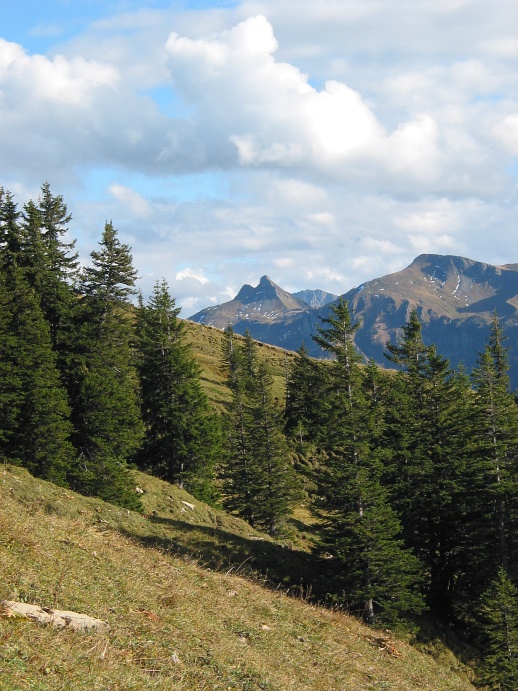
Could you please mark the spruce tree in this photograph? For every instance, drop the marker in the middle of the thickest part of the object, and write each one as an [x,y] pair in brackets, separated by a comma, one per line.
[305,385]
[59,269]
[360,529]
[238,466]
[11,394]
[495,452]
[427,422]
[36,428]
[498,613]
[182,437]
[259,480]
[11,240]
[35,415]
[405,419]
[274,484]
[106,412]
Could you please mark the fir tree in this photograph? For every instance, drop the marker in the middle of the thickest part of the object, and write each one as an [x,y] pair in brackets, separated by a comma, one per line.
[499,615]
[405,419]
[427,422]
[59,269]
[274,484]
[494,449]
[360,529]
[238,466]
[36,427]
[106,411]
[305,385]
[11,240]
[11,394]
[182,439]
[259,480]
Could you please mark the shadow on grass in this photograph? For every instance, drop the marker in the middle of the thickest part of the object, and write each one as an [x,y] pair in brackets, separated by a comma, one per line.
[302,527]
[276,566]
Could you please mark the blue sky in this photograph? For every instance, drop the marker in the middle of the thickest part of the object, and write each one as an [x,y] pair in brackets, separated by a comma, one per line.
[323,144]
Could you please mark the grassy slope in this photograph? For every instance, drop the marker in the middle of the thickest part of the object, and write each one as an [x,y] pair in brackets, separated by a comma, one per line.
[206,343]
[175,624]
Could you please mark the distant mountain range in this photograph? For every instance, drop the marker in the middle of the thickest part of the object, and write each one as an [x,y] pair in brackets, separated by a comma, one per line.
[455,298]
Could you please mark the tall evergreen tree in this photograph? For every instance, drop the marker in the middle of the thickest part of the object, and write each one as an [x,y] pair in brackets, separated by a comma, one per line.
[259,479]
[182,436]
[495,452]
[11,241]
[106,413]
[275,486]
[499,615]
[36,427]
[59,269]
[359,527]
[305,385]
[405,416]
[237,471]
[11,389]
[427,422]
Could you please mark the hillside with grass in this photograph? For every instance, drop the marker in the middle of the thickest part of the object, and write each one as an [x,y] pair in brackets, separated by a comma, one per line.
[189,602]
[207,343]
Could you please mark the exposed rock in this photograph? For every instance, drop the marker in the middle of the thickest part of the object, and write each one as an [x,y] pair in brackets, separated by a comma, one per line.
[55,617]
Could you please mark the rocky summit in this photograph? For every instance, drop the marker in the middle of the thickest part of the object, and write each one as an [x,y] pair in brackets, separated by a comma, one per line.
[265,304]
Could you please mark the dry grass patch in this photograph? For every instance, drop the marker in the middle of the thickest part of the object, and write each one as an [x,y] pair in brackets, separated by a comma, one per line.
[173,624]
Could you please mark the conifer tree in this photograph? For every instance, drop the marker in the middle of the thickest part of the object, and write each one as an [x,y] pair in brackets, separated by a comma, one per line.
[237,472]
[182,436]
[59,269]
[11,394]
[274,484]
[106,413]
[35,414]
[495,453]
[360,529]
[427,422]
[305,385]
[499,615]
[259,480]
[405,417]
[11,241]
[50,266]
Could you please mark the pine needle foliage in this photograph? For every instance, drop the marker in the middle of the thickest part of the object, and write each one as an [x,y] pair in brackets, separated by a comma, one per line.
[499,613]
[108,427]
[182,440]
[360,530]
[259,481]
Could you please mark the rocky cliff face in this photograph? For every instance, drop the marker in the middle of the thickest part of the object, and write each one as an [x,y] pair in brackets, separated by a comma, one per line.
[455,298]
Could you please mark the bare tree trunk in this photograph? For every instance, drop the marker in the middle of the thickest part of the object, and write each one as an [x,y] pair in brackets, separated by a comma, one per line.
[368,613]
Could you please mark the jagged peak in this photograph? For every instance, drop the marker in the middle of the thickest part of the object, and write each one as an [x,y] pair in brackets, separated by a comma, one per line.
[266,280]
[265,290]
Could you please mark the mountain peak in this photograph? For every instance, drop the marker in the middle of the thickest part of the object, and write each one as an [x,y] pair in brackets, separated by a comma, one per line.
[264,303]
[266,280]
[266,290]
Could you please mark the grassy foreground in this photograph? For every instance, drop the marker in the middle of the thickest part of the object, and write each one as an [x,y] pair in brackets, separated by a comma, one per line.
[175,623]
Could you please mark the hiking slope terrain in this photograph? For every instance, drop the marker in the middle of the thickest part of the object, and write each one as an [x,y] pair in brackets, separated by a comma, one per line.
[173,623]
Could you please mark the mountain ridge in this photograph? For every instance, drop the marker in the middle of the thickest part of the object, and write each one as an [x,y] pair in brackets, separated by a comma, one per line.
[454,296]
